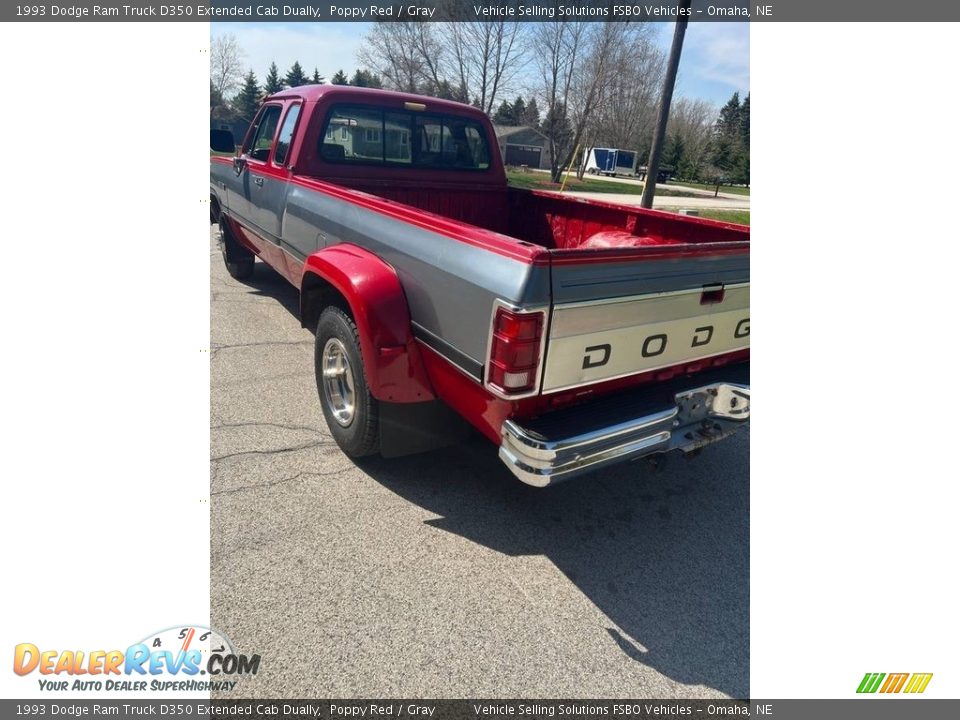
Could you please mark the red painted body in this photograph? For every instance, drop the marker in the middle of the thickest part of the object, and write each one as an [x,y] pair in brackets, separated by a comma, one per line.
[487,412]
[538,228]
[391,357]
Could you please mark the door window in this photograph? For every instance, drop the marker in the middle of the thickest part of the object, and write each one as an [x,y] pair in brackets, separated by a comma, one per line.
[286,135]
[262,138]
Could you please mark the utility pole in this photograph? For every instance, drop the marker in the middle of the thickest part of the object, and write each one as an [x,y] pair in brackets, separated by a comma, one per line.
[663,113]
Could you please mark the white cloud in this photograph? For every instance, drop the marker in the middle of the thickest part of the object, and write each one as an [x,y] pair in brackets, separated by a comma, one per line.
[720,53]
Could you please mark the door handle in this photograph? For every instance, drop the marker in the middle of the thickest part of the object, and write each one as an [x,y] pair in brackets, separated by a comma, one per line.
[258,181]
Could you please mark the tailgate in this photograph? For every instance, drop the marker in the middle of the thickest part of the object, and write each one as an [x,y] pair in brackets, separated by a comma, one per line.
[619,313]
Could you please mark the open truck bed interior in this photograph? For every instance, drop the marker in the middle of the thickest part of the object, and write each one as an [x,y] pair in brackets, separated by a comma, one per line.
[554,221]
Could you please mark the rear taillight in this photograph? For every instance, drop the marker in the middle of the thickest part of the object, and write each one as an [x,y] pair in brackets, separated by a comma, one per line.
[515,351]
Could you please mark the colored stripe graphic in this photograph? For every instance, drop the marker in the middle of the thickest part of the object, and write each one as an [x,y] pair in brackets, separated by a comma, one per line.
[918,682]
[870,682]
[894,682]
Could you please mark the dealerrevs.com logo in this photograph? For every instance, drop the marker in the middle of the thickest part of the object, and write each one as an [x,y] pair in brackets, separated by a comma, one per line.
[894,683]
[182,658]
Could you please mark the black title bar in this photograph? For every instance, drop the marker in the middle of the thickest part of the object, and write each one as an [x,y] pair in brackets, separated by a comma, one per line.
[671,709]
[484,10]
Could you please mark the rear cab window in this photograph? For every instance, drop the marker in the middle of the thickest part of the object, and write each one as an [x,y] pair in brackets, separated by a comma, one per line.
[364,135]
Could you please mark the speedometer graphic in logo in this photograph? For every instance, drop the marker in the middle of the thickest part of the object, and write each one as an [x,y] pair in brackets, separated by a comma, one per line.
[182,641]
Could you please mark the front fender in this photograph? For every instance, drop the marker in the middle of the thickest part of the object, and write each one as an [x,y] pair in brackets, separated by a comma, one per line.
[375,298]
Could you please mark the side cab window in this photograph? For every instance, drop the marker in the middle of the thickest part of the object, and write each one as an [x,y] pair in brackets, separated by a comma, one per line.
[285,139]
[265,129]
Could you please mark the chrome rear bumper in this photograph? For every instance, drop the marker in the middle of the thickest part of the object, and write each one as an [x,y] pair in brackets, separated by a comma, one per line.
[544,454]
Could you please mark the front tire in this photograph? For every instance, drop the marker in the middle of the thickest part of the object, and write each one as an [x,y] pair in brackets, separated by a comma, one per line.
[351,412]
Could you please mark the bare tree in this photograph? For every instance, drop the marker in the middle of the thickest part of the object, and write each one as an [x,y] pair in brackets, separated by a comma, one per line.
[430,48]
[598,82]
[626,116]
[226,64]
[469,61]
[691,126]
[484,58]
[581,65]
[395,50]
[557,47]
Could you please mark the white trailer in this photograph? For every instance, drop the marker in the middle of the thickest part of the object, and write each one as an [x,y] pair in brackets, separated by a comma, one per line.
[610,161]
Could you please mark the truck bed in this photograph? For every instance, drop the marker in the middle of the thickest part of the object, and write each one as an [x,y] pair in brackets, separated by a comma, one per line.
[554,221]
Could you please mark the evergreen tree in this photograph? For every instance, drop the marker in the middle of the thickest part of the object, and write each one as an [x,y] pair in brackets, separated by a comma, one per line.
[745,122]
[273,83]
[531,114]
[742,170]
[444,90]
[219,109]
[728,124]
[317,78]
[519,109]
[295,76]
[505,115]
[730,150]
[365,78]
[673,152]
[743,167]
[340,78]
[248,99]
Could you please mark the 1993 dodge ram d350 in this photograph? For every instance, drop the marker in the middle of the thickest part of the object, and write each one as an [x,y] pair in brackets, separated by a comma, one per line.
[573,334]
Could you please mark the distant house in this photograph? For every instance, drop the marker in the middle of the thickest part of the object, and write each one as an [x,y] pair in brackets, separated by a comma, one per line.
[238,128]
[523,145]
[361,137]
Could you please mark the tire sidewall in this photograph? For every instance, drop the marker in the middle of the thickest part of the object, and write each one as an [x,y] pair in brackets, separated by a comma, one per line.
[238,260]
[359,438]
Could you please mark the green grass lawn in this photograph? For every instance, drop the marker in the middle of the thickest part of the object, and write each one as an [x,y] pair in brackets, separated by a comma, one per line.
[733,216]
[541,181]
[732,189]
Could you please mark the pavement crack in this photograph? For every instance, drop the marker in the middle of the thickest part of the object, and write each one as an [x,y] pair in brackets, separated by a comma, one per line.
[294,448]
[281,481]
[217,347]
[222,425]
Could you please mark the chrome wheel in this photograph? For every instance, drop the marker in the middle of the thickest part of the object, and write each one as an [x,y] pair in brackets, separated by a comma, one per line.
[338,383]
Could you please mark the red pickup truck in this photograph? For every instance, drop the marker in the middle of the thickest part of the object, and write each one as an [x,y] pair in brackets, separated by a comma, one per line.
[573,334]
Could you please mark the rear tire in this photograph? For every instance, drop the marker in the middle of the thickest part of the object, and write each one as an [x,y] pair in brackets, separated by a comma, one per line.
[351,412]
[237,259]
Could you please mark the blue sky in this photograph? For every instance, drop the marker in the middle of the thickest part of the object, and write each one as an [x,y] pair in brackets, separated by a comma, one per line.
[715,61]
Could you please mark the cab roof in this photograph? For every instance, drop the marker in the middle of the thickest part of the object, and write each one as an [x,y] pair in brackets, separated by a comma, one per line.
[346,93]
